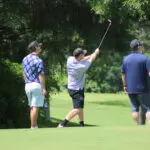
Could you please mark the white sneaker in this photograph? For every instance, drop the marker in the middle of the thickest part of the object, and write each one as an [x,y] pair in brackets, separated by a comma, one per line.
[36,127]
[60,126]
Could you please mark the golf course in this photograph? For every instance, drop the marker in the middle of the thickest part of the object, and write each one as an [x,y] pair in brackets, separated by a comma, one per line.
[109,126]
[100,48]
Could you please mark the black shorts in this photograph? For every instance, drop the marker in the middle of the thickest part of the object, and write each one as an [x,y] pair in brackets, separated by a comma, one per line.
[77,98]
[139,99]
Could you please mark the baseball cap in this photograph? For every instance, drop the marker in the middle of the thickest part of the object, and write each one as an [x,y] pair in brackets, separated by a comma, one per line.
[135,43]
[78,51]
[34,44]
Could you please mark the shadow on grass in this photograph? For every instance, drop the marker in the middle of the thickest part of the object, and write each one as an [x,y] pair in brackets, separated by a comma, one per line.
[112,103]
[53,123]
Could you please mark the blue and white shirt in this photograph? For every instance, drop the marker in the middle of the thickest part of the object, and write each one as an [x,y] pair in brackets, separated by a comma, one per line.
[33,66]
[76,73]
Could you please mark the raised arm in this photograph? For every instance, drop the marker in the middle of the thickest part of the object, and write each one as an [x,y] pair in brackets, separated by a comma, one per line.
[91,57]
[94,55]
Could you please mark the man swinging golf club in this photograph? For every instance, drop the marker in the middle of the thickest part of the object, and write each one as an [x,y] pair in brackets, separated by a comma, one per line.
[77,65]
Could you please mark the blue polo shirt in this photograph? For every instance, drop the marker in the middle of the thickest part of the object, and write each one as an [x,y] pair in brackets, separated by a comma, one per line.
[136,66]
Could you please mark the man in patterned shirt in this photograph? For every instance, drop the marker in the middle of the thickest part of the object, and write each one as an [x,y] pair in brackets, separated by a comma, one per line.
[33,73]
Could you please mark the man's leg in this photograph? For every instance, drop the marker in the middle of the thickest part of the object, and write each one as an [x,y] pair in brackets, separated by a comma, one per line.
[142,116]
[69,116]
[81,117]
[146,105]
[72,113]
[78,104]
[135,104]
[148,117]
[34,116]
[135,116]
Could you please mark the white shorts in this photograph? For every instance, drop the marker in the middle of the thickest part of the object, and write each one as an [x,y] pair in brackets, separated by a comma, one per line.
[34,94]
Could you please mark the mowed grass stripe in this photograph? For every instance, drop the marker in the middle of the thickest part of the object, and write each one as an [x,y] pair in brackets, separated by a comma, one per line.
[106,138]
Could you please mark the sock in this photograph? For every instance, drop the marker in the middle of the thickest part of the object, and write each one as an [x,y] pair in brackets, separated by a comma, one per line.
[82,123]
[64,122]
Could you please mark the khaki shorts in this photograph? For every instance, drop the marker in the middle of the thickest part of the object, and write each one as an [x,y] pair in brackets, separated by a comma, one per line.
[34,94]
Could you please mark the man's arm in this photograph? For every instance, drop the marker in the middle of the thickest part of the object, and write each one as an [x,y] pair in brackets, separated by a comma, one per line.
[148,66]
[42,81]
[92,57]
[86,58]
[124,82]
[123,79]
[24,76]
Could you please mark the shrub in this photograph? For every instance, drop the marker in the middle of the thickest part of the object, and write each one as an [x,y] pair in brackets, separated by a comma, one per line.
[13,110]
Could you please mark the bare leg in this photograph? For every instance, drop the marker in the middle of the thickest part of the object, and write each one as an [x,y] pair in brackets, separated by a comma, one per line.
[72,113]
[81,115]
[33,116]
[135,116]
[69,116]
[148,117]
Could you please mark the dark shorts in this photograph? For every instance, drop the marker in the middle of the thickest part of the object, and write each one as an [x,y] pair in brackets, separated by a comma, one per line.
[77,98]
[139,99]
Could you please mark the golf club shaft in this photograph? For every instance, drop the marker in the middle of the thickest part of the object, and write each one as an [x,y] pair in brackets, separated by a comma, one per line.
[104,34]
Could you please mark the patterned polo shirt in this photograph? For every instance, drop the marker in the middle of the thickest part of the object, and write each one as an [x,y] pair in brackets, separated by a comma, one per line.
[33,66]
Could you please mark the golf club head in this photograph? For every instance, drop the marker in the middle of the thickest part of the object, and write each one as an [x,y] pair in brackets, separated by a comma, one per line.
[109,21]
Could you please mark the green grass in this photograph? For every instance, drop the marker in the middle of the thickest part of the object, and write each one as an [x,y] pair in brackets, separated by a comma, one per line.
[100,109]
[109,127]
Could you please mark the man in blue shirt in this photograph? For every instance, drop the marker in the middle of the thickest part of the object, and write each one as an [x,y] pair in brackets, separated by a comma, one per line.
[77,65]
[135,70]
[33,73]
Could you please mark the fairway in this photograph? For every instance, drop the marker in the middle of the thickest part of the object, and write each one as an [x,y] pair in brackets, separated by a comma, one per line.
[109,126]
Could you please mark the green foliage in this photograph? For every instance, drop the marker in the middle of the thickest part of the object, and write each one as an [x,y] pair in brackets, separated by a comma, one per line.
[104,74]
[91,86]
[13,112]
[122,8]
[130,19]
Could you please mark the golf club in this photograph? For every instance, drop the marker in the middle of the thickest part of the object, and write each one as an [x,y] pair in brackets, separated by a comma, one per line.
[105,33]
